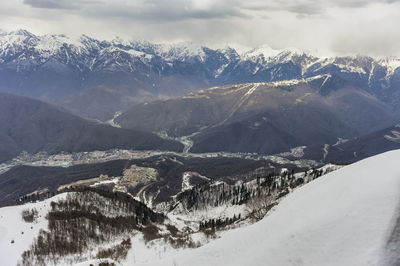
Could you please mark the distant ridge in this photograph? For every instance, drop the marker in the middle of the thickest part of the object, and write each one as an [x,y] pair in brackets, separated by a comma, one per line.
[96,78]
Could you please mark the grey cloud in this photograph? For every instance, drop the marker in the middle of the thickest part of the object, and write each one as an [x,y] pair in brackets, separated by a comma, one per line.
[304,8]
[341,26]
[156,10]
[217,8]
[300,8]
[178,10]
[360,3]
[169,10]
[59,4]
[51,4]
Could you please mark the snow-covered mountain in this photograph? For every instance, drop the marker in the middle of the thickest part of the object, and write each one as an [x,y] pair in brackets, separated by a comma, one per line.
[97,78]
[347,217]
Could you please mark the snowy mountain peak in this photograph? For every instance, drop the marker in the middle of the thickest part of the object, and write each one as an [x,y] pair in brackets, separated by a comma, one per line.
[264,50]
[22,32]
[182,50]
[53,43]
[288,54]
[391,63]
[118,41]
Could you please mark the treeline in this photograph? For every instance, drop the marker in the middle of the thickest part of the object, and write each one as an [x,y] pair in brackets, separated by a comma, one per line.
[272,185]
[91,200]
[35,197]
[218,223]
[85,218]
[116,252]
[213,194]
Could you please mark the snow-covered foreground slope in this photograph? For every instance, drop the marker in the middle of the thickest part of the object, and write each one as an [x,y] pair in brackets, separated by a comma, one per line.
[343,218]
[13,227]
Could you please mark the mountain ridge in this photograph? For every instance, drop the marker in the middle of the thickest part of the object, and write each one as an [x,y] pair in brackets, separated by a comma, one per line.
[80,74]
[30,125]
[266,118]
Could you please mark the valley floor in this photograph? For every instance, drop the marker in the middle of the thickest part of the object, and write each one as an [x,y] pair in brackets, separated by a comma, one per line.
[69,159]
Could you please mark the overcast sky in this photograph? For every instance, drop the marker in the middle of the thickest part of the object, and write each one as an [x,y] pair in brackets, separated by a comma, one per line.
[331,26]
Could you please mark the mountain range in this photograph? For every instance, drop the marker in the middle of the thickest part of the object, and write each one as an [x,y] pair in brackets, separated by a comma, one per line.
[266,118]
[97,78]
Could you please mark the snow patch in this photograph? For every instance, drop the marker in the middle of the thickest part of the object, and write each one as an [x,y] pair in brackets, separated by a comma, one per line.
[186,181]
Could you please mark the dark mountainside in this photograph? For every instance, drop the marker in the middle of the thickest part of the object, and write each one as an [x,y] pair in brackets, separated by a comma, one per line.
[265,118]
[22,180]
[33,126]
[365,146]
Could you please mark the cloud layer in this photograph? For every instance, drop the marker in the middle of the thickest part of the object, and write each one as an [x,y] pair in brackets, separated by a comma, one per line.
[332,26]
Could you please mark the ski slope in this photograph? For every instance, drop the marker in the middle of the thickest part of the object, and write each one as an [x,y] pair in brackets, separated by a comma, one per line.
[13,227]
[343,218]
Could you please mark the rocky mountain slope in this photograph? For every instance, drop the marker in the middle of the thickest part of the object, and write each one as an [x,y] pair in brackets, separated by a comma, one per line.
[97,78]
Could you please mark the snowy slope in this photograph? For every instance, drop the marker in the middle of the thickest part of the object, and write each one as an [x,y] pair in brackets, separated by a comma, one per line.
[343,218]
[12,226]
